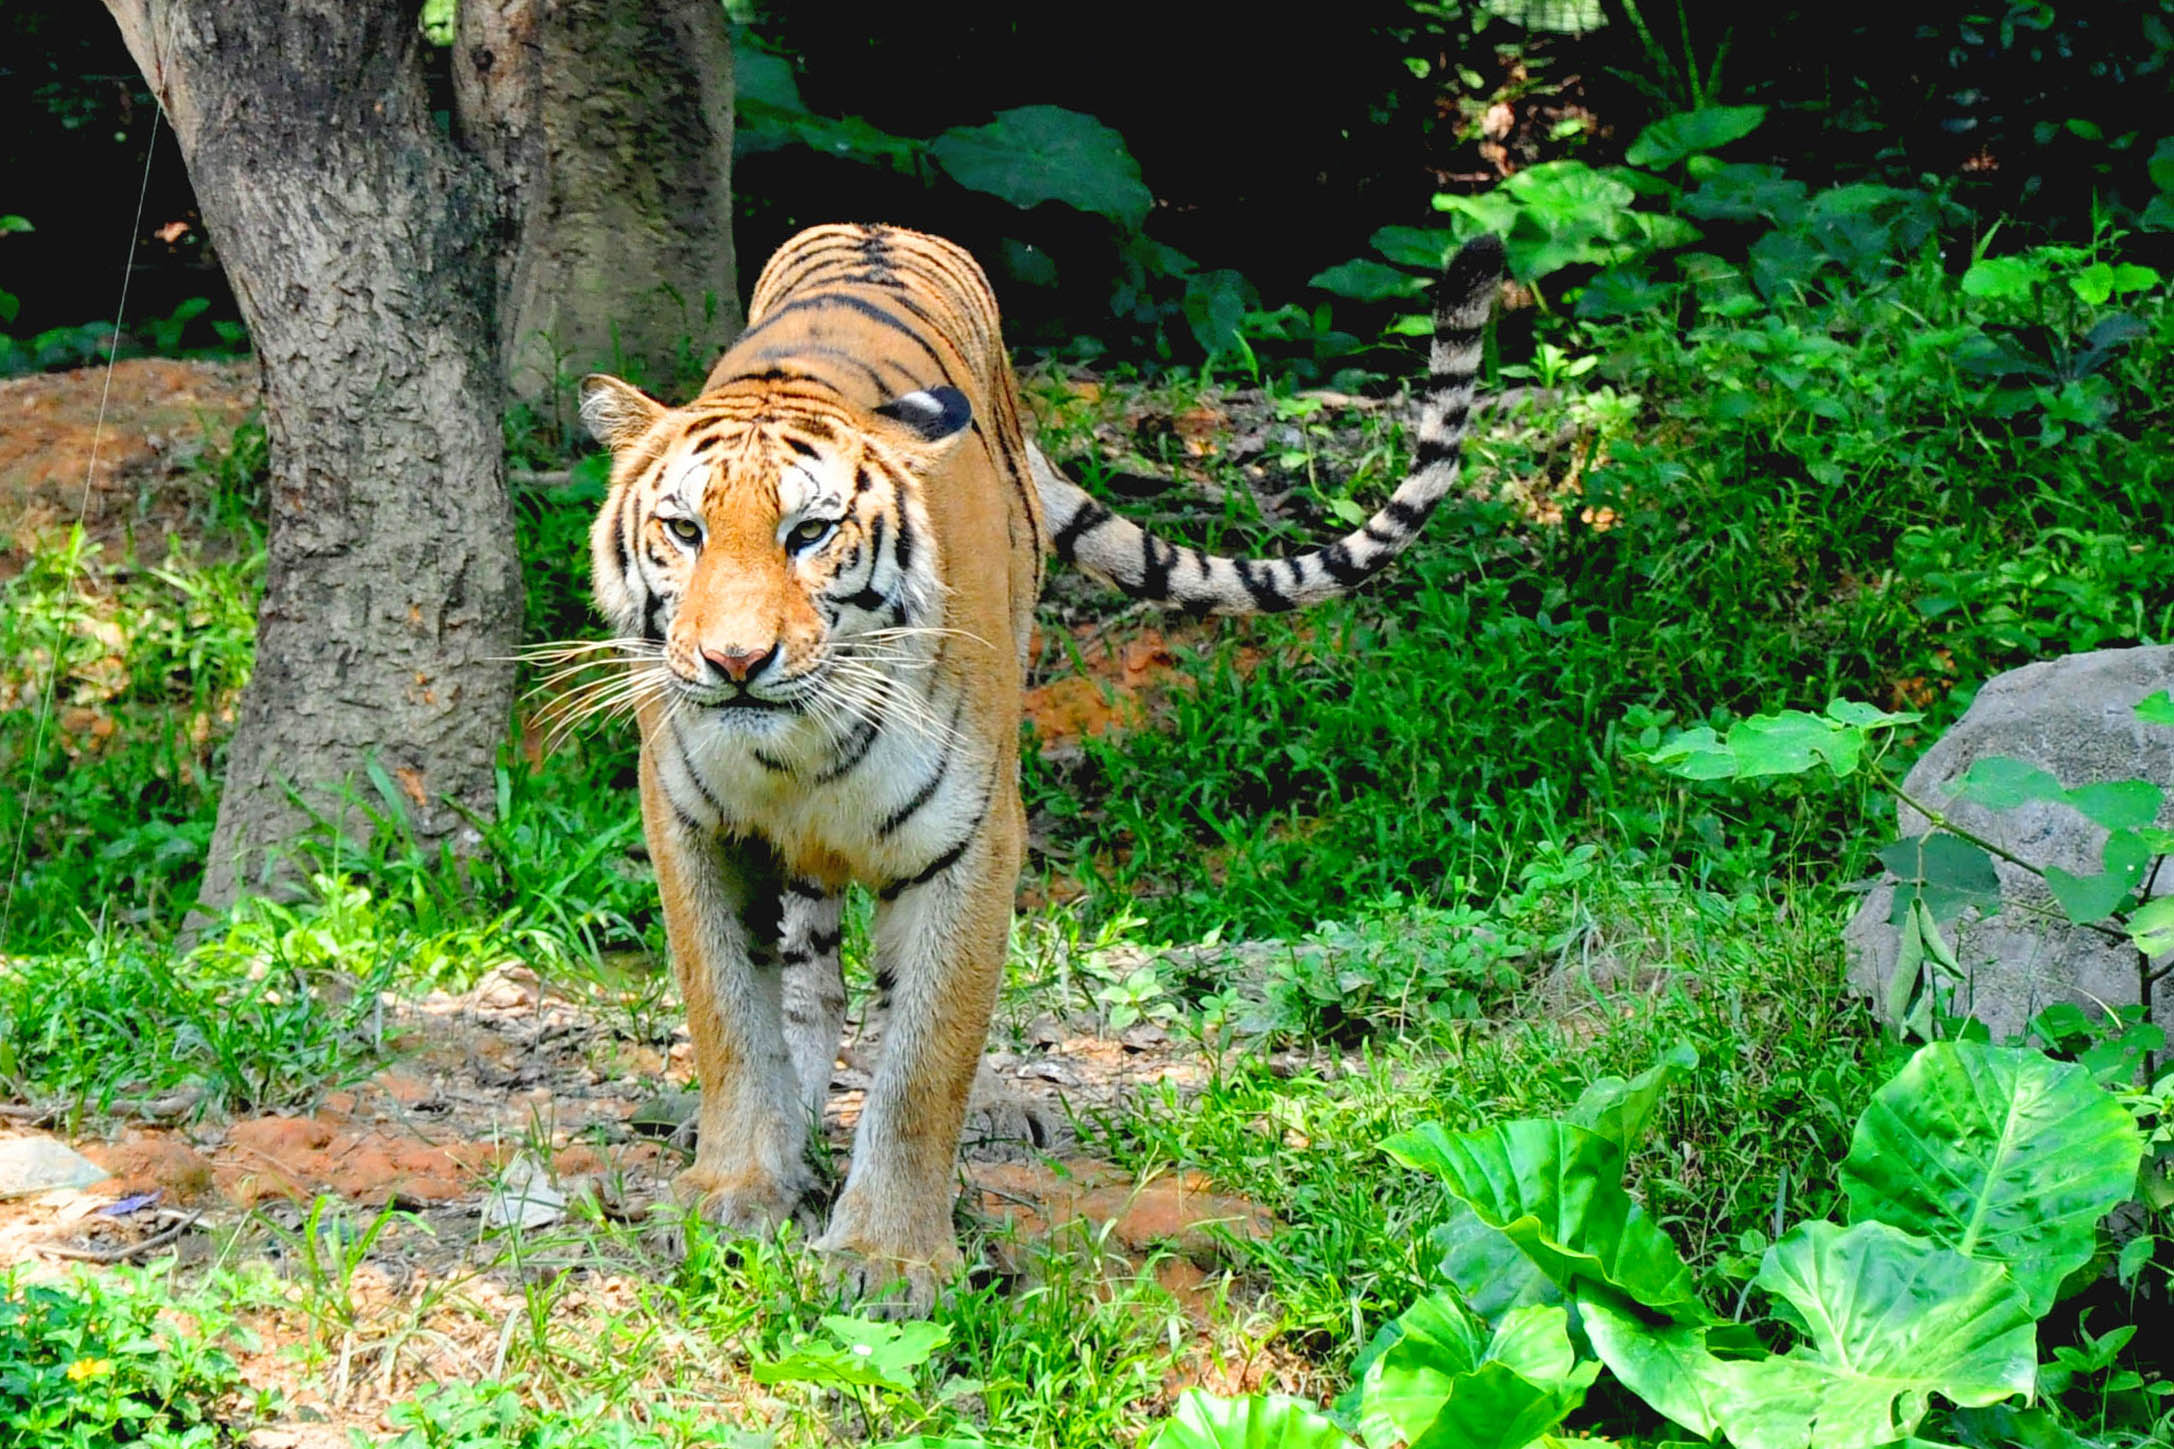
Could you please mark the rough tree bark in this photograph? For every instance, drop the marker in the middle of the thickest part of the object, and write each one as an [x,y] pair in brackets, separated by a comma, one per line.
[369,251]
[612,122]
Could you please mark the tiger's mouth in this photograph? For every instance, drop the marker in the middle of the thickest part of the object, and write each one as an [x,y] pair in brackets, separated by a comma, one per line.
[732,699]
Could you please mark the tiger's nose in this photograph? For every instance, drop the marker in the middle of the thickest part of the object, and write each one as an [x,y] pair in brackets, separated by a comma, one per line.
[738,663]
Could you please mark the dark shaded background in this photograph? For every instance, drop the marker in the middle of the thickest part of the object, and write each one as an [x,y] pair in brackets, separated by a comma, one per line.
[1273,148]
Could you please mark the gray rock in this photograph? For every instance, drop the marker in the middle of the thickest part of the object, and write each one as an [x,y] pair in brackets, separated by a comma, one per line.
[41,1163]
[2074,717]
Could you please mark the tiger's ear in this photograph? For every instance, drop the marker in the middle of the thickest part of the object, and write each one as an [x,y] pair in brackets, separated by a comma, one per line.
[614,412]
[931,419]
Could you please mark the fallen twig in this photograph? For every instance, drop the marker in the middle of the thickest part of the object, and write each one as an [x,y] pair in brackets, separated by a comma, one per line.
[181,1223]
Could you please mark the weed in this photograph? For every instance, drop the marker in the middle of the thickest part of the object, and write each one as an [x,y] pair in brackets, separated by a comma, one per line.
[272,1010]
[118,1358]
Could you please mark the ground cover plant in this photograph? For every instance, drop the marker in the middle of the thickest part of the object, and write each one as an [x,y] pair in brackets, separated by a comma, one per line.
[1506,899]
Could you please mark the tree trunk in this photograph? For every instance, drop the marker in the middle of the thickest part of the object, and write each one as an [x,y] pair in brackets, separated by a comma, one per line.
[362,245]
[611,121]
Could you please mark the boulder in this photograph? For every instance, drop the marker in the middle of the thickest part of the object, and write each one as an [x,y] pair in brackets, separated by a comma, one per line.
[2074,717]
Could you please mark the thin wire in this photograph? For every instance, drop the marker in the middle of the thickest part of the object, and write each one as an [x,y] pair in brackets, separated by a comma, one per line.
[82,511]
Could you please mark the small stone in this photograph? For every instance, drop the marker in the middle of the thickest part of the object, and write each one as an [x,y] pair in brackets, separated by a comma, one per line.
[406,1089]
[524,1197]
[665,1114]
[508,988]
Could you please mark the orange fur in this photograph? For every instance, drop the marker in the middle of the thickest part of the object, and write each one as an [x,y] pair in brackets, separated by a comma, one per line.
[822,572]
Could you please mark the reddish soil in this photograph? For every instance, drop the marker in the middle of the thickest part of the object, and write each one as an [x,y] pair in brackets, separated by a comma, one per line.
[120,455]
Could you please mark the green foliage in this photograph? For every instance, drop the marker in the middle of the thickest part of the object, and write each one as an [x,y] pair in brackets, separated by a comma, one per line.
[184,332]
[1406,967]
[1559,214]
[105,1361]
[2008,1162]
[1788,742]
[491,1415]
[1804,460]
[121,678]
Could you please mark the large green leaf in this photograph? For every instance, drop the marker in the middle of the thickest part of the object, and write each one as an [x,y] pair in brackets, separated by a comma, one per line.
[1416,246]
[1489,1271]
[1035,154]
[2156,708]
[1695,754]
[2117,804]
[1368,281]
[2002,277]
[2000,1153]
[1791,742]
[1946,871]
[1999,783]
[1556,1190]
[1666,142]
[1444,1382]
[1409,1381]
[1259,1421]
[1891,1320]
[1495,1407]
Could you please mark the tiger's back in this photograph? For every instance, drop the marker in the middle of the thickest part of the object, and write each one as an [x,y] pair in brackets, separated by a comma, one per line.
[823,572]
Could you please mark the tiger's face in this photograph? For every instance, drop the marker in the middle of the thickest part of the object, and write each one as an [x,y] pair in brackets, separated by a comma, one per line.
[762,544]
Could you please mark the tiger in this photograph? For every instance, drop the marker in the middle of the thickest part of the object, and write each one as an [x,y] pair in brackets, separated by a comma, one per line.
[822,575]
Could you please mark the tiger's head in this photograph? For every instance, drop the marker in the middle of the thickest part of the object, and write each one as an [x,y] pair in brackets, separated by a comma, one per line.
[766,545]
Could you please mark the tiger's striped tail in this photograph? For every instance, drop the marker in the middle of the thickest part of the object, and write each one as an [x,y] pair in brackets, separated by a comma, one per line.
[1084,533]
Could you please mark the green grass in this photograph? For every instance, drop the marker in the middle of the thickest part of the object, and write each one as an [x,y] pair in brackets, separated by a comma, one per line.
[1786,1061]
[1812,499]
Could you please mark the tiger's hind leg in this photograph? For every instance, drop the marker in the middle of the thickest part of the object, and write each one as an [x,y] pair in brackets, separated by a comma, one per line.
[813,988]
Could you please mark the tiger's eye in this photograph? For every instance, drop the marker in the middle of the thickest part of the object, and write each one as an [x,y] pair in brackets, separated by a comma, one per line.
[686,530]
[808,534]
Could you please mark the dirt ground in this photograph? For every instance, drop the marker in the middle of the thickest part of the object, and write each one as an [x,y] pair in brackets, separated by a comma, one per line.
[514,1120]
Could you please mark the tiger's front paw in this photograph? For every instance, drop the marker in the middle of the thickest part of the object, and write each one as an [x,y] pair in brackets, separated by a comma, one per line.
[888,1284]
[892,1263]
